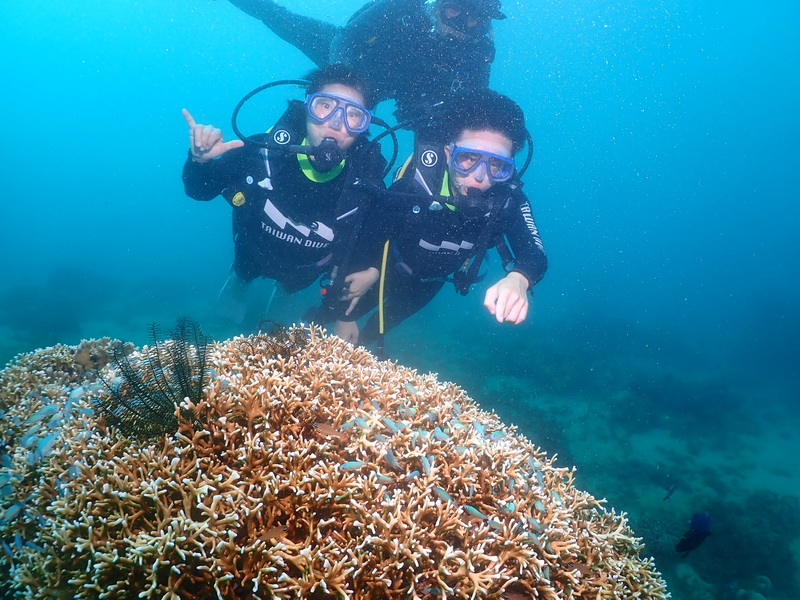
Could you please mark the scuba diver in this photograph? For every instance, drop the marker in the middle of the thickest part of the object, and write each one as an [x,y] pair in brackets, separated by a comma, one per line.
[416,52]
[295,207]
[454,199]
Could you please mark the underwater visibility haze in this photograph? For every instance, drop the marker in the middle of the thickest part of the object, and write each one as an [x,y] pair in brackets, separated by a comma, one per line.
[661,356]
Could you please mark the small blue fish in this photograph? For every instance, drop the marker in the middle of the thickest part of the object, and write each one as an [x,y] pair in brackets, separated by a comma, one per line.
[44,413]
[412,476]
[392,461]
[474,512]
[12,513]
[392,426]
[426,465]
[440,435]
[354,465]
[535,525]
[442,494]
[45,446]
[411,389]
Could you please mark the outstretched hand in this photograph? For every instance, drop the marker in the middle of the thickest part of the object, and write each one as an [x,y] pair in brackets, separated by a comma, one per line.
[507,299]
[205,141]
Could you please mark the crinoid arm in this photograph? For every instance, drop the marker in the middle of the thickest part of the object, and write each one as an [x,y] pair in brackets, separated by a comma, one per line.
[150,384]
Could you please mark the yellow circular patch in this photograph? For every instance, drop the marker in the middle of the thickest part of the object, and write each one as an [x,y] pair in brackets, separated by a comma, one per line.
[238,199]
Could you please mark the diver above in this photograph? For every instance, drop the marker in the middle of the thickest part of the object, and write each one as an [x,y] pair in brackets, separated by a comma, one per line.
[416,52]
[293,211]
[455,199]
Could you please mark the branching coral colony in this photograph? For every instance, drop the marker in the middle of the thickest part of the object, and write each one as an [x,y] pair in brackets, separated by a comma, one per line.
[305,469]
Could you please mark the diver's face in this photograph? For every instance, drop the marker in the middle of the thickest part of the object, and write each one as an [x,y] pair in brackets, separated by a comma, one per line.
[457,20]
[480,140]
[334,127]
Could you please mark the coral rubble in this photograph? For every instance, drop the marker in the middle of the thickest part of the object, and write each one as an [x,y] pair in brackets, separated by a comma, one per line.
[307,469]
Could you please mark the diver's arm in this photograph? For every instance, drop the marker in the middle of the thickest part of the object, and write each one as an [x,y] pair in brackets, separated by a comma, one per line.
[520,229]
[311,36]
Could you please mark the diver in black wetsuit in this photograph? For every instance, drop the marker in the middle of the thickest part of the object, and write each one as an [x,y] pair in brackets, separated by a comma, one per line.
[292,214]
[439,221]
[416,52]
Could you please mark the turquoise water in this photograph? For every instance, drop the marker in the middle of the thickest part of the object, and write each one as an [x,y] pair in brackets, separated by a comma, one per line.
[663,342]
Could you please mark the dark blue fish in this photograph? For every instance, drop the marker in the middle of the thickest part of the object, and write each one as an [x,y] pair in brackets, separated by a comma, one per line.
[699,530]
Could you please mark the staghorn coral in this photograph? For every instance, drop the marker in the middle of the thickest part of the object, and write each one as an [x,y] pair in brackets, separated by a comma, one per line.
[308,470]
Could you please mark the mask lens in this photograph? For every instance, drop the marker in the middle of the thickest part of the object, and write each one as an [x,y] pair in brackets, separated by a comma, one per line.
[323,107]
[499,169]
[466,161]
[358,119]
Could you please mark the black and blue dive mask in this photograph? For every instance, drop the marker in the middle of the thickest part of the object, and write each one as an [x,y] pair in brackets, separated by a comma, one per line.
[467,160]
[339,111]
[470,17]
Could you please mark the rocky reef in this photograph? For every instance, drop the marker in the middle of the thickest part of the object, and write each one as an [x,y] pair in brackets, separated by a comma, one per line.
[303,468]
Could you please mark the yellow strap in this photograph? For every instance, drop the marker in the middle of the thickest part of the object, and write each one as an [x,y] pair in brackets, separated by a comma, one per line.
[381,285]
[400,173]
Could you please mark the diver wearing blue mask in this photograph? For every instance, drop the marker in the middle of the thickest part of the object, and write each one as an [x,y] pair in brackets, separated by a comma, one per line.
[294,207]
[451,203]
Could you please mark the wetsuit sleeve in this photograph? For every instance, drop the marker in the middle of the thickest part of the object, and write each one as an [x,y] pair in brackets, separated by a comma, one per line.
[519,228]
[311,36]
[205,181]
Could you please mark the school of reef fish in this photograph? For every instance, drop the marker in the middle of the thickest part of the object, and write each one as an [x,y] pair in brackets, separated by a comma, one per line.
[304,468]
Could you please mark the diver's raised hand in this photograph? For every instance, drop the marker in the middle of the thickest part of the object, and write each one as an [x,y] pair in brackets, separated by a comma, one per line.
[507,299]
[205,141]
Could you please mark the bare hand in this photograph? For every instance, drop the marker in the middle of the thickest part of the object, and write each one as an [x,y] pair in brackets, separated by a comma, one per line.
[360,283]
[507,299]
[347,330]
[206,142]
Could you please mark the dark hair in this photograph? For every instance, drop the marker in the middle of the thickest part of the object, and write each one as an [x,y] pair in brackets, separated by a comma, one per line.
[344,75]
[485,109]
